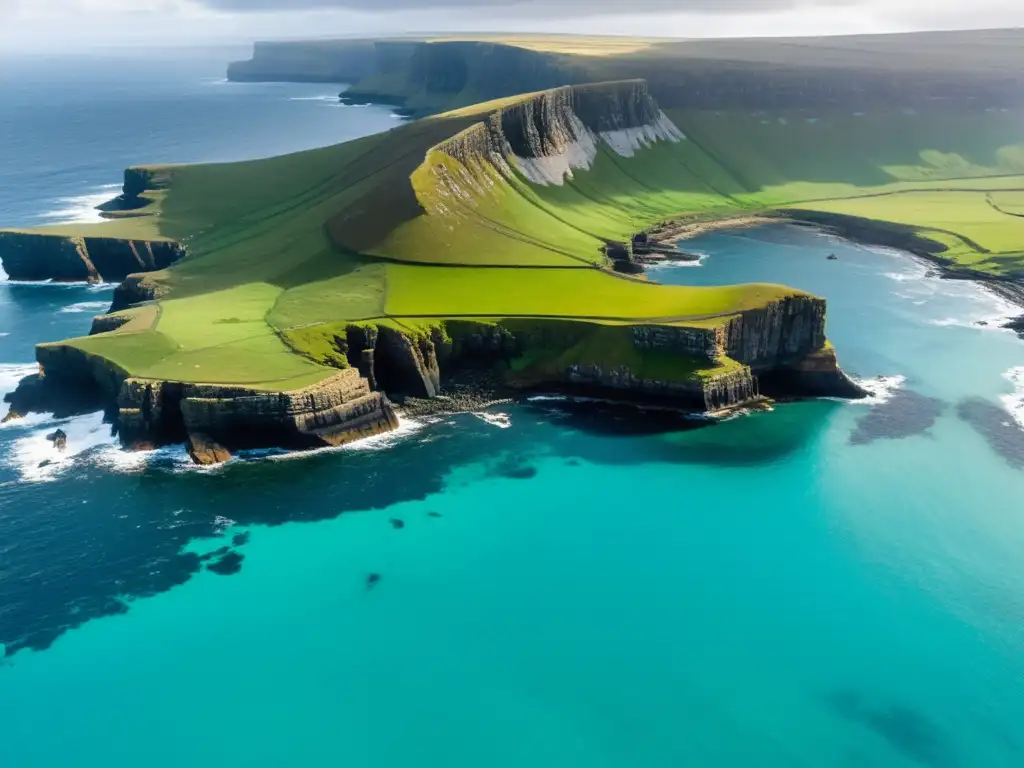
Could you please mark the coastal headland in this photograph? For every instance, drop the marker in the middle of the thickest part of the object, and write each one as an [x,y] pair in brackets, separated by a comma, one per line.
[290,301]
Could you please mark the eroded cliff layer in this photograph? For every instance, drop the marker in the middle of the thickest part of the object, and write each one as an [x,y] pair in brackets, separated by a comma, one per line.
[337,410]
[549,135]
[148,413]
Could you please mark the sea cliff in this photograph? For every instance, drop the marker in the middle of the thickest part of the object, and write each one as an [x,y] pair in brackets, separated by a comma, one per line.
[96,252]
[70,258]
[779,350]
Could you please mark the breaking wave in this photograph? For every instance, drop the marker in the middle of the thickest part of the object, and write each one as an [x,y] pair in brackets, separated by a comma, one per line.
[81,209]
[499,420]
[331,98]
[37,460]
[1015,403]
[86,306]
[881,389]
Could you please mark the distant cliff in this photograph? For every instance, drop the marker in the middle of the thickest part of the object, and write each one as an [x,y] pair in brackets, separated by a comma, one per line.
[341,61]
[913,70]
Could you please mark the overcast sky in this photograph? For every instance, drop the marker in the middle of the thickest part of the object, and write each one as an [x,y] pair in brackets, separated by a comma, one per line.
[47,25]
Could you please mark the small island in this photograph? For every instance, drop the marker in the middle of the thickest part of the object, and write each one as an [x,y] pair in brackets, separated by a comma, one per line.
[290,301]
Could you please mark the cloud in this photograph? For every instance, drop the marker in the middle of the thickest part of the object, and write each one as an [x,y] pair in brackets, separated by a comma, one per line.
[39,26]
[482,7]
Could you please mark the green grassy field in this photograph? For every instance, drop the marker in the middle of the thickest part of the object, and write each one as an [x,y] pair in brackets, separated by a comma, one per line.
[285,252]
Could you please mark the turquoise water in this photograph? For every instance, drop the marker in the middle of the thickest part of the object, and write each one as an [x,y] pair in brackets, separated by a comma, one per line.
[829,584]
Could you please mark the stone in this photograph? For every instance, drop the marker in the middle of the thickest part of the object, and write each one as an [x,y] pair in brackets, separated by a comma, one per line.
[205,451]
[59,439]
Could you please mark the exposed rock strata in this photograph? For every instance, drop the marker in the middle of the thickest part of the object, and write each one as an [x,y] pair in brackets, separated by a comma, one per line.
[548,136]
[336,411]
[780,349]
[783,342]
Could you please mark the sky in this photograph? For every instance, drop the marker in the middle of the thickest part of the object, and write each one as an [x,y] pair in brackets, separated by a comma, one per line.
[45,26]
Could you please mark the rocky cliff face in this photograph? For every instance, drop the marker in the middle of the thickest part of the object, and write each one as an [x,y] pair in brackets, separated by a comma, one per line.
[713,394]
[33,256]
[149,413]
[551,134]
[780,333]
[782,343]
[336,411]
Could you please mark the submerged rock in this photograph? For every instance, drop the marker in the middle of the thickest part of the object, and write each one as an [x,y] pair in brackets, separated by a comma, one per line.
[397,524]
[228,565]
[205,451]
[372,580]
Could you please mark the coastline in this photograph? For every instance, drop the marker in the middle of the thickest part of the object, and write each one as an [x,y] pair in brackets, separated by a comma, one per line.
[673,231]
[904,238]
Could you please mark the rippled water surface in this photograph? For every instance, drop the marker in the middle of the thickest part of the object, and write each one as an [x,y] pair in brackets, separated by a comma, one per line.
[829,584]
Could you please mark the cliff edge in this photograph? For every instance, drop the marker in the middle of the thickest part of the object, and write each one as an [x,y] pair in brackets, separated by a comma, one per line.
[320,285]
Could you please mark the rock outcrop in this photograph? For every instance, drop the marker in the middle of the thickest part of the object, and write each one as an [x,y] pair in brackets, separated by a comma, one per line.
[205,451]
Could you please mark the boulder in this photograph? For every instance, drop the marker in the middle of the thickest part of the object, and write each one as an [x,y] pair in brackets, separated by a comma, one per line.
[205,451]
[59,439]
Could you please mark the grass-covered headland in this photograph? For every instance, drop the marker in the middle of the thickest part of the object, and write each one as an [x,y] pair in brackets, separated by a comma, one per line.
[480,237]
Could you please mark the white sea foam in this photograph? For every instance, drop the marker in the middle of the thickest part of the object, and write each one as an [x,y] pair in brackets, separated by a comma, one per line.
[12,373]
[2,335]
[668,264]
[86,306]
[1015,403]
[81,209]
[881,389]
[36,458]
[499,420]
[330,98]
[406,428]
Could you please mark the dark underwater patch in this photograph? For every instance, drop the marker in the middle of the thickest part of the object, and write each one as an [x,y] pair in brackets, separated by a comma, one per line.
[85,561]
[747,440]
[1001,432]
[130,540]
[215,554]
[907,730]
[241,539]
[227,565]
[906,414]
[518,472]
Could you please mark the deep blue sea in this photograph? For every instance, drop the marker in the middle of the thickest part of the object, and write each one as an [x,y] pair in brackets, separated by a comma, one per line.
[828,584]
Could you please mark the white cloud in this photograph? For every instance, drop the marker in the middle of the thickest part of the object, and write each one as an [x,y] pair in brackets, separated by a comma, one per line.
[41,25]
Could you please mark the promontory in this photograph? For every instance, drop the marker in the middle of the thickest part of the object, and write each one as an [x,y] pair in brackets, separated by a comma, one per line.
[288,301]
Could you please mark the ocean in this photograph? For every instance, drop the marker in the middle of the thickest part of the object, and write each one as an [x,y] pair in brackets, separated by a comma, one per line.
[827,584]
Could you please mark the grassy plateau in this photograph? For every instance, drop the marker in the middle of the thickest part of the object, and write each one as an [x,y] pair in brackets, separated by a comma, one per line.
[285,252]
